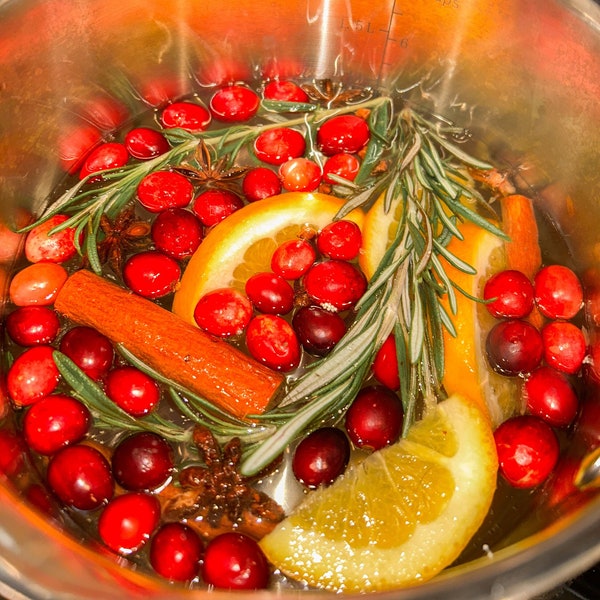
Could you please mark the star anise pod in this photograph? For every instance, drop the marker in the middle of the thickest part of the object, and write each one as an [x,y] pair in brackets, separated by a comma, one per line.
[332,93]
[210,172]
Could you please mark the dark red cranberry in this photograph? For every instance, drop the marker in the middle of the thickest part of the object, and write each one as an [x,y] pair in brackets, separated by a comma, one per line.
[272,341]
[106,156]
[151,274]
[335,284]
[385,364]
[343,165]
[80,476]
[176,232]
[509,294]
[32,325]
[558,292]
[142,461]
[235,561]
[12,453]
[176,551]
[292,259]
[321,457]
[587,425]
[144,143]
[342,133]
[564,346]
[276,146]
[185,115]
[32,376]
[224,312]
[285,91]
[89,349]
[234,103]
[212,206]
[270,293]
[132,390]
[260,183]
[318,330]
[340,239]
[514,347]
[164,189]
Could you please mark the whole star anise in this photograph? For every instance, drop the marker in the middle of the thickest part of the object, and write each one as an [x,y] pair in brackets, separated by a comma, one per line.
[332,93]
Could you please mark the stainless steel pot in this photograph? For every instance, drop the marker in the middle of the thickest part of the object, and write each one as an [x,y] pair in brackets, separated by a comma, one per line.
[525,75]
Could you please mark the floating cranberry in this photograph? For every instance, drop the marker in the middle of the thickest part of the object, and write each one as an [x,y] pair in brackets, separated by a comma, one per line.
[142,461]
[128,521]
[514,347]
[270,293]
[54,422]
[235,561]
[558,292]
[37,284]
[212,206]
[564,346]
[375,417]
[12,453]
[176,232]
[144,143]
[342,133]
[318,330]
[509,294]
[56,248]
[132,390]
[321,457]
[32,376]
[528,450]
[343,165]
[292,259]
[550,396]
[176,551]
[335,284]
[300,175]
[185,115]
[260,183]
[89,349]
[32,325]
[276,146]
[223,312]
[285,91]
[340,239]
[80,476]
[75,143]
[385,364]
[164,189]
[111,155]
[234,103]
[151,274]
[272,341]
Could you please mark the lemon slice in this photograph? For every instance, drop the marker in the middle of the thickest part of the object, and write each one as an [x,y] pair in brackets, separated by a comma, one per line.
[399,517]
[244,242]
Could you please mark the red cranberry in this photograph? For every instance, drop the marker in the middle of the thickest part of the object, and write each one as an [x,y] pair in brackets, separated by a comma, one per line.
[340,239]
[54,422]
[212,206]
[558,292]
[285,91]
[144,143]
[510,295]
[318,330]
[177,233]
[185,115]
[300,175]
[385,364]
[32,325]
[342,133]
[151,274]
[12,453]
[260,183]
[321,457]
[56,248]
[234,103]
[527,450]
[375,417]
[224,312]
[106,156]
[276,146]
[164,189]
[272,341]
[343,165]
[270,293]
[564,346]
[142,461]
[235,561]
[80,476]
[105,112]
[132,390]
[176,551]
[89,349]
[75,143]
[160,90]
[292,259]
[32,376]
[514,347]
[335,284]
[128,521]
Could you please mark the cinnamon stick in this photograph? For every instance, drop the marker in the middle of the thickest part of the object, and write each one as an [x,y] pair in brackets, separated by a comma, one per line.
[208,366]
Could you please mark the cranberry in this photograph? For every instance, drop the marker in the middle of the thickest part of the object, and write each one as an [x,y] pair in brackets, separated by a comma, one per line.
[12,453]
[144,143]
[212,206]
[37,284]
[105,112]
[335,284]
[32,376]
[300,175]
[151,274]
[56,248]
[132,390]
[276,146]
[128,521]
[318,330]
[89,349]
[54,422]
[285,91]
[550,396]
[176,551]
[342,133]
[340,239]
[111,155]
[75,143]
[185,115]
[142,461]
[587,425]
[164,189]
[158,91]
[270,293]
[235,561]
[260,183]
[272,341]
[343,165]
[509,294]
[321,457]
[234,103]
[385,364]
[32,325]
[375,417]
[292,259]
[558,292]
[527,450]
[80,476]
[514,347]
[37,495]
[176,232]
[564,346]
[223,312]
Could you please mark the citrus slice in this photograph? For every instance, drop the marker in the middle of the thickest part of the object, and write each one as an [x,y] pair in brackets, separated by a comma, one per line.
[244,242]
[399,517]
